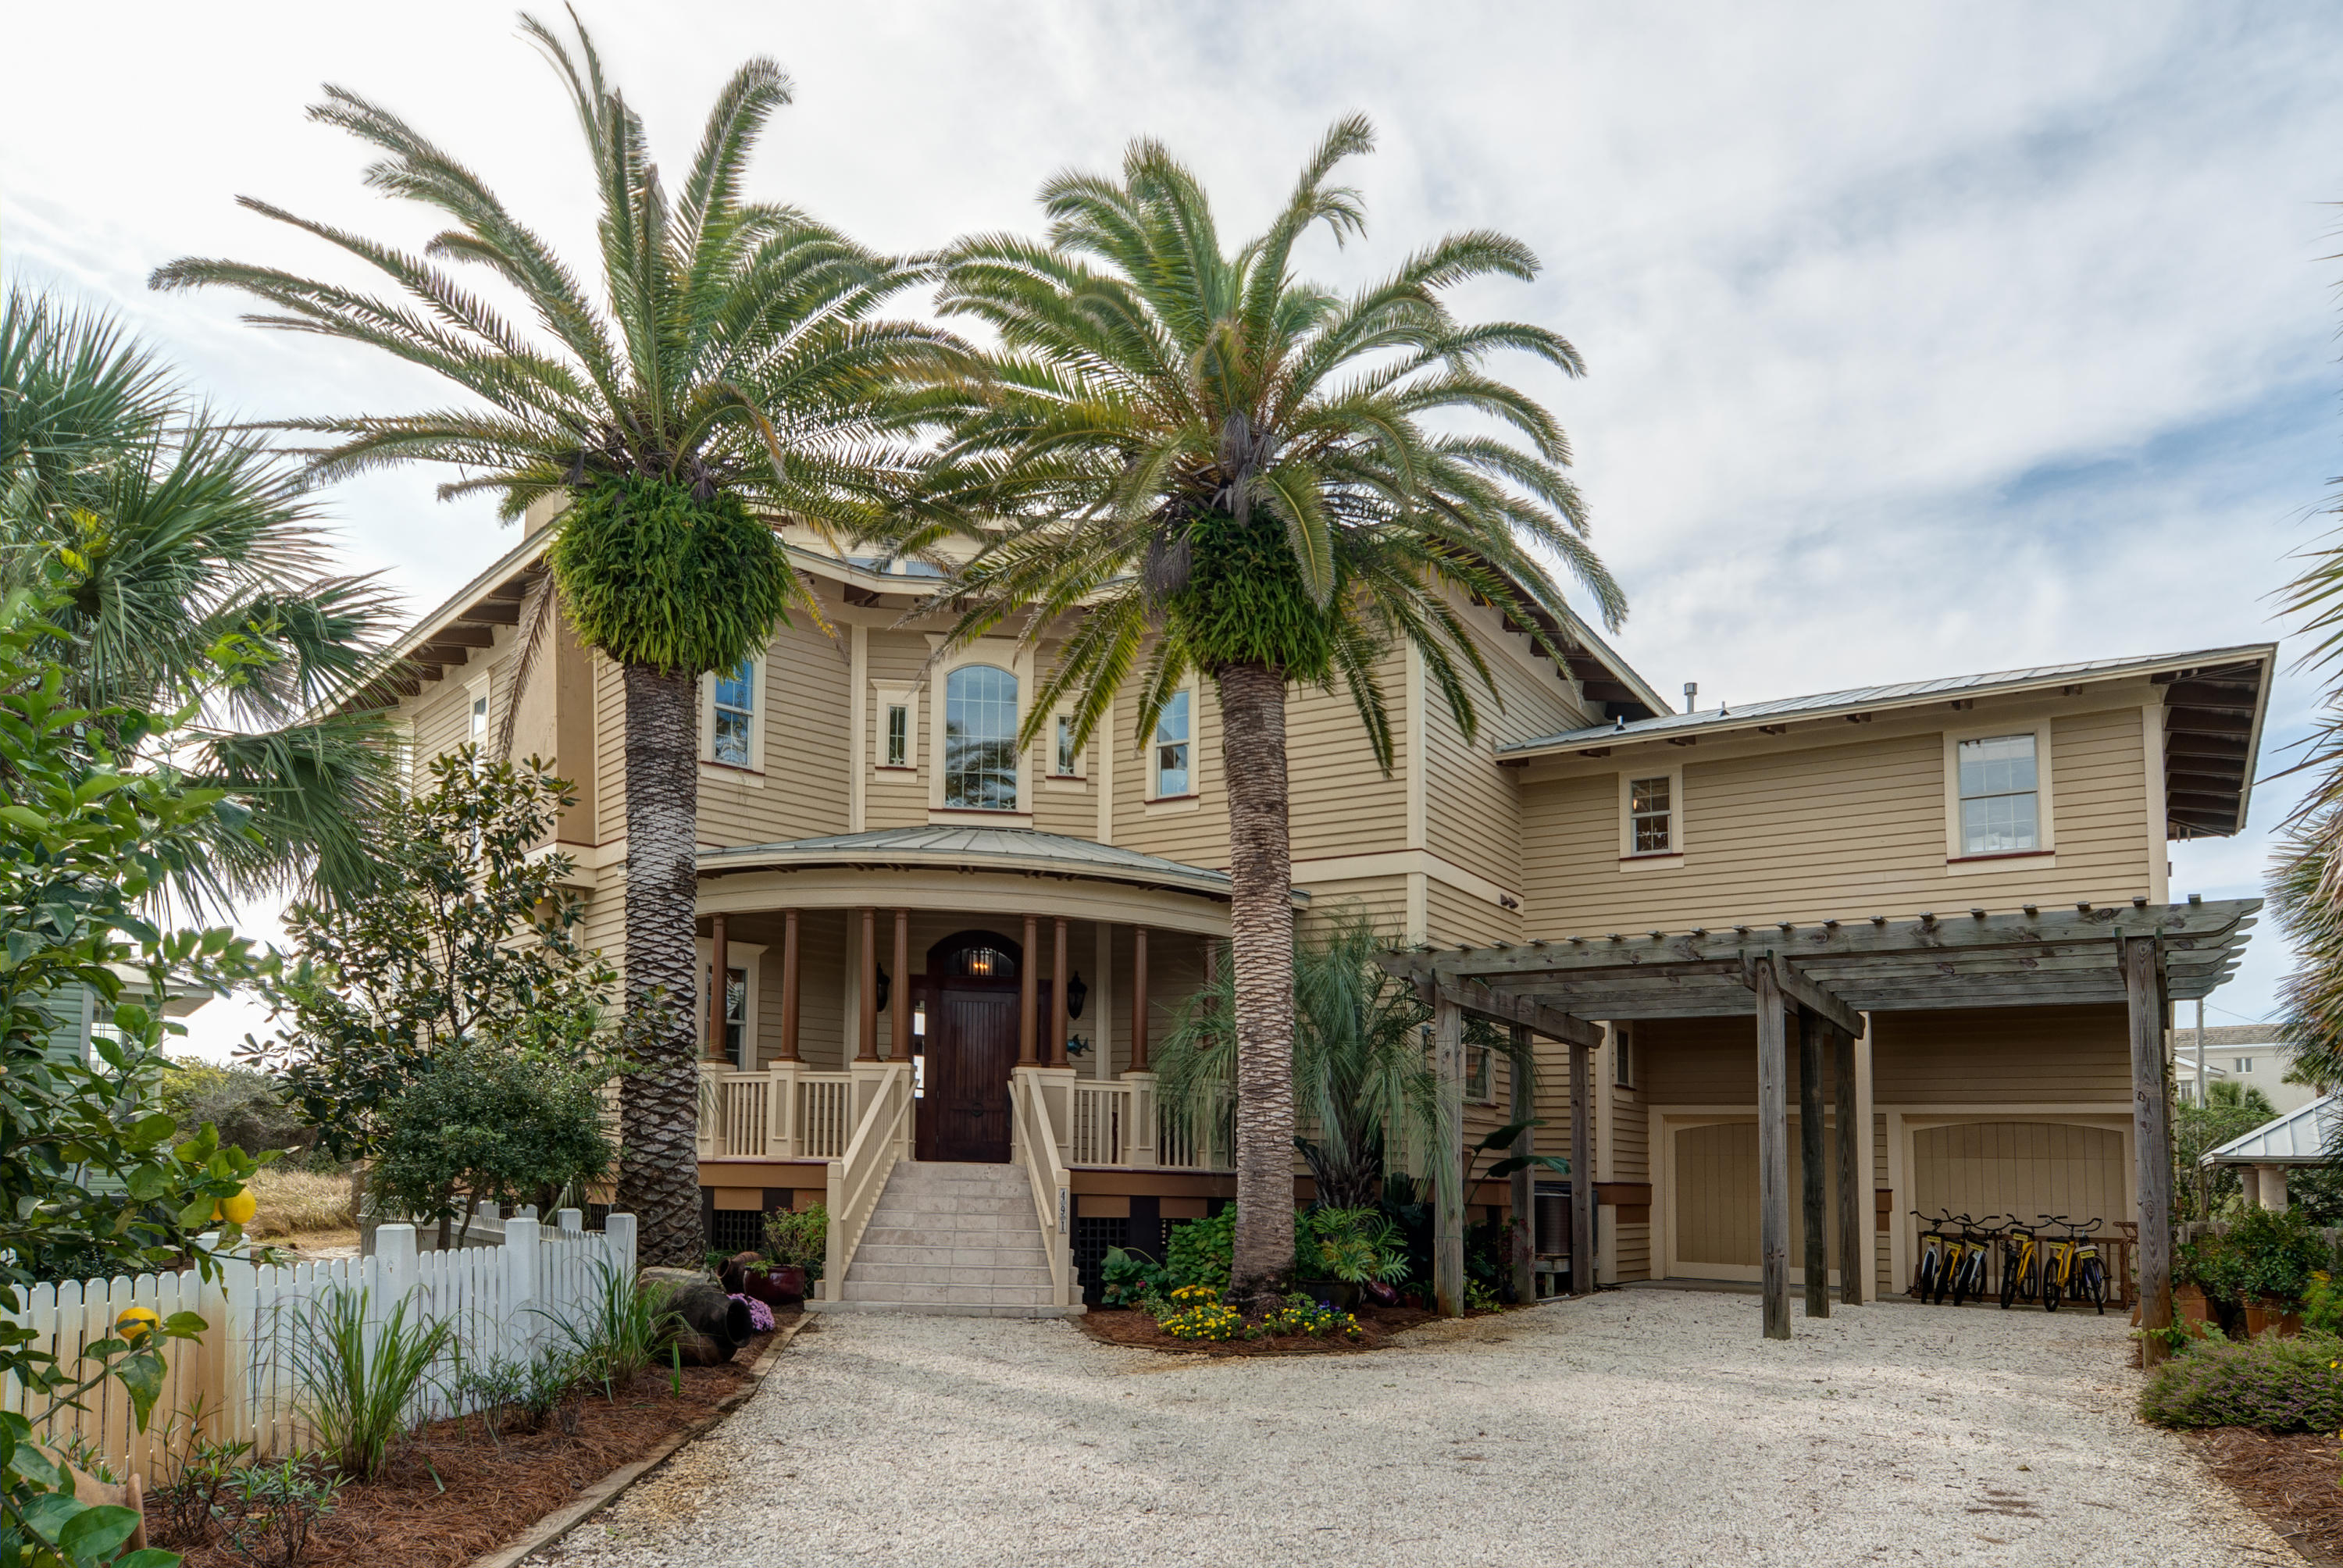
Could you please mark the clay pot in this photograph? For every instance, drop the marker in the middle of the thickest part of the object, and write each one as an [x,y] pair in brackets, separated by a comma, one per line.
[2283,1316]
[714,1325]
[746,1274]
[2189,1302]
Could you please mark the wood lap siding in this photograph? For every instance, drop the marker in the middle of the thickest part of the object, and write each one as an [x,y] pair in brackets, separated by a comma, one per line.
[1817,833]
[1629,1162]
[2002,1056]
[2027,1168]
[1473,807]
[1341,801]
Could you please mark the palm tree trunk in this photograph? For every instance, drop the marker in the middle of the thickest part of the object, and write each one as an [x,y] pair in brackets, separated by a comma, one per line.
[1260,924]
[658,1159]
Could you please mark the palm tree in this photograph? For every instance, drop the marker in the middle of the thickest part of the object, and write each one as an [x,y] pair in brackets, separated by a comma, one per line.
[1228,468]
[733,375]
[168,533]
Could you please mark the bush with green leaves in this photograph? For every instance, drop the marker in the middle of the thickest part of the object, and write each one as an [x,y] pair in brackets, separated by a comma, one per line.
[1197,1253]
[799,1238]
[2269,1384]
[1129,1278]
[1352,1245]
[87,1174]
[487,1125]
[2273,1253]
[248,1107]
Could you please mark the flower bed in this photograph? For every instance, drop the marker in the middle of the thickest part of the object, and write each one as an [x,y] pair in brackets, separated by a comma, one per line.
[1138,1331]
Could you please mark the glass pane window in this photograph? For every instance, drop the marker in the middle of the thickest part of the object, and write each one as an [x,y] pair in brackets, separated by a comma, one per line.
[1479,1087]
[980,739]
[1171,747]
[736,1012]
[736,711]
[1651,813]
[1999,798]
[480,717]
[1065,757]
[898,735]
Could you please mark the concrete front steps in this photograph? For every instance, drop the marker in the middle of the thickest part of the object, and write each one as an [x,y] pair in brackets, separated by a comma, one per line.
[953,1240]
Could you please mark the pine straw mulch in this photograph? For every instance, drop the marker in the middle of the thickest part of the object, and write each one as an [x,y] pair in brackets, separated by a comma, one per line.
[452,1494]
[1138,1331]
[2289,1481]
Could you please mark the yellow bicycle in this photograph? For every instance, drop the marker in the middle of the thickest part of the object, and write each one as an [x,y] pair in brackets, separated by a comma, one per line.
[2072,1271]
[2021,1265]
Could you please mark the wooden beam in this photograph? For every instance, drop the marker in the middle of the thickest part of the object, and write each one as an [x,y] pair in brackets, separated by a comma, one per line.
[1522,1084]
[790,988]
[1027,1024]
[1773,1155]
[493,612]
[1810,994]
[459,635]
[1854,1225]
[866,1034]
[2151,1141]
[1520,1012]
[1139,998]
[899,997]
[1448,1182]
[1582,1172]
[716,993]
[1813,1163]
[1055,1055]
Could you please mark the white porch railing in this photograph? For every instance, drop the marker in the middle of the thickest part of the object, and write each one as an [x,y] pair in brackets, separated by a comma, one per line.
[1121,1122]
[782,1112]
[882,1137]
[1034,1137]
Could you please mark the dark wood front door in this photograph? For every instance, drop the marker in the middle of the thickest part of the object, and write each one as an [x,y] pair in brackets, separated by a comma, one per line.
[971,1049]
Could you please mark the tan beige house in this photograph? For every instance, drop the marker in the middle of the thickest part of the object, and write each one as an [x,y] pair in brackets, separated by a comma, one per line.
[942,951]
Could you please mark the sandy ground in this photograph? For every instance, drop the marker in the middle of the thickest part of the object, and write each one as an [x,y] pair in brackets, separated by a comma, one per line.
[1644,1427]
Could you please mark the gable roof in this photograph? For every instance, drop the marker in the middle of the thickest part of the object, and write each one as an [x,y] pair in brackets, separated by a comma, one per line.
[2297,1138]
[2215,702]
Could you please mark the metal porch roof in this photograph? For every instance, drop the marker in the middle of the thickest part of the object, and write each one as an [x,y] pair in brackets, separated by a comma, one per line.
[975,848]
[2301,1136]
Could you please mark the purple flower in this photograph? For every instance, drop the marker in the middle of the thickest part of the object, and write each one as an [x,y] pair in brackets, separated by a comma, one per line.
[760,1316]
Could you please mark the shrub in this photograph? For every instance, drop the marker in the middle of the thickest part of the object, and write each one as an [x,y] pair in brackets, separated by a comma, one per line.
[247,1107]
[2274,1252]
[1197,1252]
[273,1507]
[624,1329]
[801,1238]
[2269,1384]
[1354,1245]
[1131,1278]
[2322,1305]
[359,1381]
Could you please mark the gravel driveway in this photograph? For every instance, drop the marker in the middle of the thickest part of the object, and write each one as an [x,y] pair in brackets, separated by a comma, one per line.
[1644,1427]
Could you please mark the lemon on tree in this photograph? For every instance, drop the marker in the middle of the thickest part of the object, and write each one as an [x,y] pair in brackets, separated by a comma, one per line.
[238,1209]
[135,1324]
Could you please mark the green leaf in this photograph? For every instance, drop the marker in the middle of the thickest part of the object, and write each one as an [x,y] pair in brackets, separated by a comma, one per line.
[53,1510]
[24,817]
[149,1557]
[197,1215]
[142,1373]
[97,1532]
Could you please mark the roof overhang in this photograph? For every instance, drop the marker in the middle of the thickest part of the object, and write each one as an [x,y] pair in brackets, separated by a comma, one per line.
[2039,958]
[2306,1136]
[1004,851]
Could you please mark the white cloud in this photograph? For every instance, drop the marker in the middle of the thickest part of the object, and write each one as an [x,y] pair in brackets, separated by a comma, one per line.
[1923,339]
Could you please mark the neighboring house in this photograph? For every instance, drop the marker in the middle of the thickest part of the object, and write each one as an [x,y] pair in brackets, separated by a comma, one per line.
[2247,1055]
[885,872]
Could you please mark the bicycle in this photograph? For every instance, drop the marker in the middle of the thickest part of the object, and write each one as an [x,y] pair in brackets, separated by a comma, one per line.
[1971,1255]
[1928,1279]
[2021,1265]
[2073,1271]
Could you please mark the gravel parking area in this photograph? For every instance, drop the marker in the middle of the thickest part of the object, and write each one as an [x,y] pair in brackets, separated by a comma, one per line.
[1651,1427]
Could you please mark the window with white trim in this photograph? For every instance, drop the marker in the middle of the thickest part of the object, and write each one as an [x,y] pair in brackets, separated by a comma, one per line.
[980,739]
[898,735]
[1623,1055]
[1174,729]
[732,736]
[741,963]
[1651,815]
[1999,795]
[478,734]
[1065,761]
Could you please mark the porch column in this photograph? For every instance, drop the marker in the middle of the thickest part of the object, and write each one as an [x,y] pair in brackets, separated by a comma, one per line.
[1521,1079]
[867,1027]
[788,985]
[1581,1170]
[1448,1203]
[2151,1138]
[1059,1022]
[716,994]
[1813,1171]
[899,1009]
[2272,1186]
[1025,1020]
[1772,1153]
[1139,998]
[1854,1225]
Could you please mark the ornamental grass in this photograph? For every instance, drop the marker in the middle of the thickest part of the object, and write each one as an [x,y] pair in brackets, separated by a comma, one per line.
[2270,1384]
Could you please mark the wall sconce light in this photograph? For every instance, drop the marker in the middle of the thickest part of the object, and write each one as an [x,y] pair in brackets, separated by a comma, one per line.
[879,1001]
[1076,995]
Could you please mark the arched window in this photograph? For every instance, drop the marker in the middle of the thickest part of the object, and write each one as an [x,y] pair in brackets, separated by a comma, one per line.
[980,739]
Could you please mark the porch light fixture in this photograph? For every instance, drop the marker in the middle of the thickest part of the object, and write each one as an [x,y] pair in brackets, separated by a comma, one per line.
[879,1001]
[1076,995]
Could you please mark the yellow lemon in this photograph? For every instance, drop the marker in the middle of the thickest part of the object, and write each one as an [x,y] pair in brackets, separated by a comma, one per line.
[135,1324]
[241,1207]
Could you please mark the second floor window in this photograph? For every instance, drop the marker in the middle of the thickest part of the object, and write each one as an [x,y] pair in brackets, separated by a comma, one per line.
[1999,803]
[980,739]
[2244,1064]
[736,711]
[898,735]
[1172,773]
[1650,814]
[1065,759]
[481,719]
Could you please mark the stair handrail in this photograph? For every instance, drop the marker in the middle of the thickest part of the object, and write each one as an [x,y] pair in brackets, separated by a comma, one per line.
[858,1177]
[1046,1173]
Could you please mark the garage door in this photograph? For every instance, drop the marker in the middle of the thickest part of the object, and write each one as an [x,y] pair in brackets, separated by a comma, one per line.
[2022,1168]
[1716,1201]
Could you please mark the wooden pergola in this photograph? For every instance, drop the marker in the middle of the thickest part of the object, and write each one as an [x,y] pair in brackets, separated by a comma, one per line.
[1817,981]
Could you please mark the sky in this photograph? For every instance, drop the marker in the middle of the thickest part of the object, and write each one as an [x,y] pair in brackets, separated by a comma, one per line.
[1921,340]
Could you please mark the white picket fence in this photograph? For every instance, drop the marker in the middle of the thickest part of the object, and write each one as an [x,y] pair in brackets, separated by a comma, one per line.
[240,1383]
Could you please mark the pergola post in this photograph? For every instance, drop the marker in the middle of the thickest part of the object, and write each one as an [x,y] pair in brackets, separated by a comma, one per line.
[1772,1151]
[1581,1170]
[1854,1228]
[2151,1139]
[1813,1171]
[1448,1182]
[1523,1085]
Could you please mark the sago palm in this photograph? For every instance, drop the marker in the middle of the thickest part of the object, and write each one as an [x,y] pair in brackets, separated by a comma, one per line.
[169,533]
[1226,467]
[731,374]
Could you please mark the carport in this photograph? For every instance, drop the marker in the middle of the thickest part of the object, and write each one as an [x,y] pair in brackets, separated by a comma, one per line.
[1817,982]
